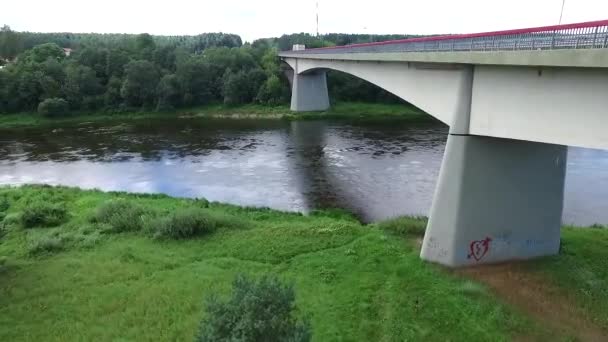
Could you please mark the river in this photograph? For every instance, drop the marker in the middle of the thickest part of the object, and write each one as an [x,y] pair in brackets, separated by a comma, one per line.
[374,170]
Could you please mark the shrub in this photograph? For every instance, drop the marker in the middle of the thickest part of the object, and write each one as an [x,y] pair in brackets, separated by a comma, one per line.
[256,311]
[405,226]
[46,245]
[44,214]
[4,204]
[272,91]
[3,261]
[121,215]
[11,219]
[53,107]
[186,223]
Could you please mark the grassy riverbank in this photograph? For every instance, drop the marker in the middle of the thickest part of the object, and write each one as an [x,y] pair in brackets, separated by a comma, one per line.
[344,110]
[88,265]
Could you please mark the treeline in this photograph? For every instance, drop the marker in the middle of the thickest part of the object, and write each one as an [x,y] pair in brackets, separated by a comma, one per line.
[55,73]
[12,43]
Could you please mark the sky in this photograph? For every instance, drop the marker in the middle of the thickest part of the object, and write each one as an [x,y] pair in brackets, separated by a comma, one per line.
[253,19]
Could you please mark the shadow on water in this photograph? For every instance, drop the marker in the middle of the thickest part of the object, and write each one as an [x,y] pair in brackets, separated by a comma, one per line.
[376,170]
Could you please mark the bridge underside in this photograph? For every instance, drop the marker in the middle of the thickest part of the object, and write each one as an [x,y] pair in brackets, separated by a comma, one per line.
[499,195]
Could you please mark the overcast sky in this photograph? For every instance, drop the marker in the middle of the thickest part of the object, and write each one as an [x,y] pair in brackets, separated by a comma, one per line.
[253,19]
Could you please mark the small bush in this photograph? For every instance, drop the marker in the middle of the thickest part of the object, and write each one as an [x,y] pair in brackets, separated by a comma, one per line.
[405,226]
[186,223]
[201,202]
[44,214]
[46,245]
[3,262]
[12,219]
[53,107]
[256,311]
[121,215]
[4,204]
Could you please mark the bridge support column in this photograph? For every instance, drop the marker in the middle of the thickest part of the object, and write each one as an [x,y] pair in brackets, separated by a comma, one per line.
[309,92]
[496,200]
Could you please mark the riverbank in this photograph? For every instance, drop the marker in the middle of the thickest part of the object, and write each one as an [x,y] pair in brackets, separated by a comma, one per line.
[339,111]
[89,265]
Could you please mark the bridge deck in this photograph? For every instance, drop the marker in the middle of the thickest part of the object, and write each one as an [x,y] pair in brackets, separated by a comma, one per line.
[572,45]
[588,58]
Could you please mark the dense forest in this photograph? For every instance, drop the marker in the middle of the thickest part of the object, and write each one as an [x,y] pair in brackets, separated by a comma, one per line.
[58,73]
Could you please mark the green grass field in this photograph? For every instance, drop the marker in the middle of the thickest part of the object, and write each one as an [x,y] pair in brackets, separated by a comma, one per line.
[338,111]
[97,276]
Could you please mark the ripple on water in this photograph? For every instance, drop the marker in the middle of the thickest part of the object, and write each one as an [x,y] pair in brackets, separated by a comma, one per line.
[377,171]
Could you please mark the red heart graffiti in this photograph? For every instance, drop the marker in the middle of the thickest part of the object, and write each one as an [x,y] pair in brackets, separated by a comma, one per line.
[479,248]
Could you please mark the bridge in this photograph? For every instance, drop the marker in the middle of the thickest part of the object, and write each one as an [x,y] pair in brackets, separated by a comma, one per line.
[514,100]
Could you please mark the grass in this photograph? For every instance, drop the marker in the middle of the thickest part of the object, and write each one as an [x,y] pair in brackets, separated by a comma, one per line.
[83,281]
[342,110]
[581,270]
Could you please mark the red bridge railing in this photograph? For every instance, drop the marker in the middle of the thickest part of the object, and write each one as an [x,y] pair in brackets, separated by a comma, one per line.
[587,35]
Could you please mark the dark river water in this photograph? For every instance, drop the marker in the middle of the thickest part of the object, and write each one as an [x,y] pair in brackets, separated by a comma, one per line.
[374,170]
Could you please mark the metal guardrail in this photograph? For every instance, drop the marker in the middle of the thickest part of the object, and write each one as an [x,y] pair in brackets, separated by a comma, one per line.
[588,35]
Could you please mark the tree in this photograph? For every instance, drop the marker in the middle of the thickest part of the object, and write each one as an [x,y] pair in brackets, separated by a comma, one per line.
[53,107]
[286,42]
[49,87]
[41,53]
[273,91]
[222,59]
[270,62]
[11,43]
[261,311]
[242,87]
[94,58]
[116,60]
[29,90]
[235,58]
[7,84]
[53,69]
[164,57]
[112,97]
[195,77]
[82,87]
[140,83]
[169,93]
[51,78]
[145,46]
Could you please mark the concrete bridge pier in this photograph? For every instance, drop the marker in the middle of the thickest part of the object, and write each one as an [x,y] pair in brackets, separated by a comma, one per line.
[309,91]
[496,200]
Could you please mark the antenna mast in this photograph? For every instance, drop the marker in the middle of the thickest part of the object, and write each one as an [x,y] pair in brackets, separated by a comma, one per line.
[317,19]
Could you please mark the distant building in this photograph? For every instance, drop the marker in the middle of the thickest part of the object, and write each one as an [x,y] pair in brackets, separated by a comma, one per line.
[67,51]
